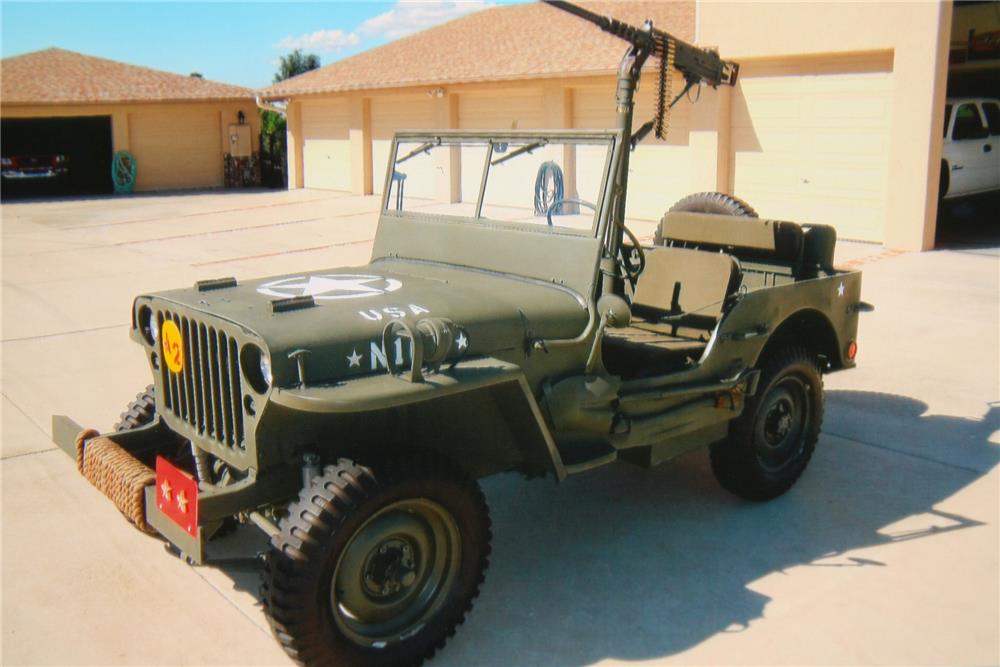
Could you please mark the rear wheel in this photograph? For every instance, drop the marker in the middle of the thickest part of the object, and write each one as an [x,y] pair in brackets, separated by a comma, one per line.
[379,571]
[771,442]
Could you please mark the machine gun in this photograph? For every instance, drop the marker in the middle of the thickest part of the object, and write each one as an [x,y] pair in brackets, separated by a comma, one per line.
[696,64]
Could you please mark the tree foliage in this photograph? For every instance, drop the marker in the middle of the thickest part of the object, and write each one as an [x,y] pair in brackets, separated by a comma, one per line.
[272,125]
[295,63]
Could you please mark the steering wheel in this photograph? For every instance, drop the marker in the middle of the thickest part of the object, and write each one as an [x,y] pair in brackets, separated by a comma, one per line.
[560,202]
[630,270]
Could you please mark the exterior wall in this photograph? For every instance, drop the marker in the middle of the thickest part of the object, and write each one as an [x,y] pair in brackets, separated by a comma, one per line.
[917,35]
[176,145]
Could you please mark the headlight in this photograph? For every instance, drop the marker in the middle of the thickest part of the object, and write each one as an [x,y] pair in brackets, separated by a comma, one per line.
[256,368]
[148,326]
[265,369]
[7,162]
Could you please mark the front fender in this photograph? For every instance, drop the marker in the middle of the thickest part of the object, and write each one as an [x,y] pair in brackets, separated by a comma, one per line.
[480,412]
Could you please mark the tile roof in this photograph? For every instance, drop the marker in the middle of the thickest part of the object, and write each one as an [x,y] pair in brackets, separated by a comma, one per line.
[57,76]
[509,42]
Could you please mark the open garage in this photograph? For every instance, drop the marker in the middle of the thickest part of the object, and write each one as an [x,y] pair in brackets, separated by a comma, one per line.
[967,215]
[64,116]
[57,156]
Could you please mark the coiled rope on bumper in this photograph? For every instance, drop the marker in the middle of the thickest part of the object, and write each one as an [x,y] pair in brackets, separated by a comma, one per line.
[117,474]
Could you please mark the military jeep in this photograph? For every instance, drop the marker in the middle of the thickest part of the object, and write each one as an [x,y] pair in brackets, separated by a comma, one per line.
[508,320]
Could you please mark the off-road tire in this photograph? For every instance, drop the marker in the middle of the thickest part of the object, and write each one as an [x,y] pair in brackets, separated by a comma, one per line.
[139,412]
[790,376]
[341,504]
[708,202]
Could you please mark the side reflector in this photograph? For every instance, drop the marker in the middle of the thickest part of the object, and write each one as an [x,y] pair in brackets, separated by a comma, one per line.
[852,350]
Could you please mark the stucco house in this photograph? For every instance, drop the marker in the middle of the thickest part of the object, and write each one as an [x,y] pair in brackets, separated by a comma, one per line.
[177,127]
[836,119]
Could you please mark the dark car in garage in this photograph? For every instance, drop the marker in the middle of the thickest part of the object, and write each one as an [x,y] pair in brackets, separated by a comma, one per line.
[16,167]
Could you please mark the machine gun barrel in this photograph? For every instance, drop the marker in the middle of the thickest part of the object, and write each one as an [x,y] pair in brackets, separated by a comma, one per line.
[696,64]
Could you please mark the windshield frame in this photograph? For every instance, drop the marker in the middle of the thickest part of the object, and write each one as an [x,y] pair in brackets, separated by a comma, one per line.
[611,139]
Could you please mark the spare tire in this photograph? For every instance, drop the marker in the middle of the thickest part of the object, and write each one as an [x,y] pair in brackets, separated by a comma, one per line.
[708,202]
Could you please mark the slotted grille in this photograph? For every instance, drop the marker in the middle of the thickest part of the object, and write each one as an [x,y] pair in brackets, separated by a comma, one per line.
[207,392]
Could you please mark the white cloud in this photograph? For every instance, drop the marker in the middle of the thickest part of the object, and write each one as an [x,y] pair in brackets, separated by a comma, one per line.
[409,17]
[321,40]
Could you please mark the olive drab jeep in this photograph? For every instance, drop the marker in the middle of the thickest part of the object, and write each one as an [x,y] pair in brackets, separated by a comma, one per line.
[508,320]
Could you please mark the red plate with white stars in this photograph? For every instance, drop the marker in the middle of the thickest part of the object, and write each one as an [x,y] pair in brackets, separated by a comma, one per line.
[177,495]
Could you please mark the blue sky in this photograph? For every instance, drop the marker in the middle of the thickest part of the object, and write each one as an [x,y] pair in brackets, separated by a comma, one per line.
[235,42]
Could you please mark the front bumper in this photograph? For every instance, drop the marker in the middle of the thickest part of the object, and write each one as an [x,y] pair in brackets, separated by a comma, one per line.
[118,465]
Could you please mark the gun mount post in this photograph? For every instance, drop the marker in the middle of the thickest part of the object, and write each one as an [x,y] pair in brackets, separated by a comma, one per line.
[629,71]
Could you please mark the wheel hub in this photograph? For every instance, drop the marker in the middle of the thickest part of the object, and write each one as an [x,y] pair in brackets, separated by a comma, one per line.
[390,568]
[780,426]
[778,422]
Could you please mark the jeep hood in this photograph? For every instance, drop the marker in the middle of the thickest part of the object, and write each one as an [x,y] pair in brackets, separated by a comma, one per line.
[343,331]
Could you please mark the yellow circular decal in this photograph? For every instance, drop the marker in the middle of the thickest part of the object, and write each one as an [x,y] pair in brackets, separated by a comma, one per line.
[173,346]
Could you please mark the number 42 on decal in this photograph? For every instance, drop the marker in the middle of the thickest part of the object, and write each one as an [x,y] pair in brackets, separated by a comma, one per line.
[173,346]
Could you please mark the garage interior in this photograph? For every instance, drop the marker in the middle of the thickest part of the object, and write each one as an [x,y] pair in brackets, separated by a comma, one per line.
[973,72]
[84,141]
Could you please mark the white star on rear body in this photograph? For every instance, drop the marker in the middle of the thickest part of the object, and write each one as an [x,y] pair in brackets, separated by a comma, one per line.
[462,341]
[840,289]
[353,359]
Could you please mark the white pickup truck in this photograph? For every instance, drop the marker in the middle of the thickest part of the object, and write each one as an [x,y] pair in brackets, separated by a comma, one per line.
[970,159]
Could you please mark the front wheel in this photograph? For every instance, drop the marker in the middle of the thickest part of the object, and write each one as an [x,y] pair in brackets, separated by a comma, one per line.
[377,570]
[771,442]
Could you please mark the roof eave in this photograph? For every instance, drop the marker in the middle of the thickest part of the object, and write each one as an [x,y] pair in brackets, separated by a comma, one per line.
[77,102]
[539,76]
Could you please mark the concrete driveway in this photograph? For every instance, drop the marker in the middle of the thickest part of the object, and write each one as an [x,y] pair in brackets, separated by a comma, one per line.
[885,552]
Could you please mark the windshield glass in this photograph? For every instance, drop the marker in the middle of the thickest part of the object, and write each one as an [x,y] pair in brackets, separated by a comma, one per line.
[545,183]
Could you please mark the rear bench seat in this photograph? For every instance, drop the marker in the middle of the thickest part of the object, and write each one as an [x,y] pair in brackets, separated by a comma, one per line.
[770,251]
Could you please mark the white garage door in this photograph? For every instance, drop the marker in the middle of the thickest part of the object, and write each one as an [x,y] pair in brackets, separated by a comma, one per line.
[326,147]
[658,170]
[389,114]
[176,148]
[811,142]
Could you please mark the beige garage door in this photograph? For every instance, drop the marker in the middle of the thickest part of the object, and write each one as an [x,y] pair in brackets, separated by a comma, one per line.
[326,146]
[176,148]
[658,170]
[501,109]
[811,142]
[411,112]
